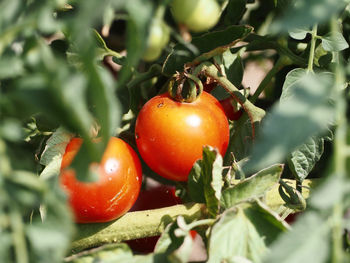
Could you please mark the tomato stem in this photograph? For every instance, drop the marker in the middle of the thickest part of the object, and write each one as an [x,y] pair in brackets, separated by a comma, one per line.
[183,87]
[312,48]
[154,71]
[254,113]
[134,225]
[340,156]
[139,224]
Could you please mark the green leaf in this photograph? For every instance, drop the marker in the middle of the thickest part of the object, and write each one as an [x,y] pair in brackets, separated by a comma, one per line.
[11,67]
[195,183]
[304,111]
[302,160]
[106,104]
[52,155]
[298,33]
[105,254]
[137,28]
[322,57]
[205,179]
[233,68]
[243,232]
[307,13]
[309,241]
[234,11]
[253,187]
[175,243]
[51,235]
[334,42]
[241,139]
[207,45]
[11,129]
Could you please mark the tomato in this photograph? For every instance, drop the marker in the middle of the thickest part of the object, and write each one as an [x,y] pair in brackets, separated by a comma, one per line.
[208,87]
[230,110]
[157,39]
[153,198]
[170,135]
[291,218]
[116,190]
[197,15]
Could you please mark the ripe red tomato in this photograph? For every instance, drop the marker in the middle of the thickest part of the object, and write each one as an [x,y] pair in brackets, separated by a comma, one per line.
[230,111]
[116,190]
[153,198]
[208,87]
[170,135]
[291,218]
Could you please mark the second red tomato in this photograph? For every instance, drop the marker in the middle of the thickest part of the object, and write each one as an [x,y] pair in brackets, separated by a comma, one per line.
[170,135]
[116,190]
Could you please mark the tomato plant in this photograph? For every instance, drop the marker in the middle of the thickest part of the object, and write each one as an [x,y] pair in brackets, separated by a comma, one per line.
[170,135]
[71,71]
[115,191]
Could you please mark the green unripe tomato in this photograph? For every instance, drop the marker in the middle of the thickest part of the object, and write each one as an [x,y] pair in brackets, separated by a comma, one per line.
[158,38]
[197,15]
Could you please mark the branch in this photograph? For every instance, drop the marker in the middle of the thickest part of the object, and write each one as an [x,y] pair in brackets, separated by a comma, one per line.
[134,225]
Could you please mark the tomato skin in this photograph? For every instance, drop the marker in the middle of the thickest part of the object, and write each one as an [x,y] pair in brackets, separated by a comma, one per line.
[291,218]
[116,190]
[170,135]
[230,111]
[208,87]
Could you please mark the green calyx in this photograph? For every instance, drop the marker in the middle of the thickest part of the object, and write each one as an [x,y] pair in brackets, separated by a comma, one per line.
[184,87]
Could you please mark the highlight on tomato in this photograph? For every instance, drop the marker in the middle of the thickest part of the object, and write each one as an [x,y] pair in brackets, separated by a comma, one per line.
[115,191]
[170,134]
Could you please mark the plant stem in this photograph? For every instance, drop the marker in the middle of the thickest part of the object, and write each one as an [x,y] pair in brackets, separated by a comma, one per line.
[154,70]
[340,156]
[134,225]
[312,48]
[210,70]
[255,114]
[281,62]
[202,222]
[19,242]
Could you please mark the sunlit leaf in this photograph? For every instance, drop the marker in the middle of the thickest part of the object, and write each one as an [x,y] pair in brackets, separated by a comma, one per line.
[334,42]
[208,46]
[243,231]
[303,159]
[252,187]
[305,104]
[205,179]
